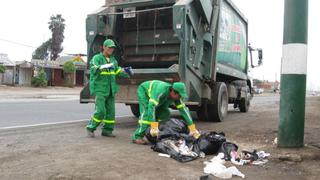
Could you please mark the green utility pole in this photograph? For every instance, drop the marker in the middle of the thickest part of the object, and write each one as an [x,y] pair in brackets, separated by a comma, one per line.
[293,74]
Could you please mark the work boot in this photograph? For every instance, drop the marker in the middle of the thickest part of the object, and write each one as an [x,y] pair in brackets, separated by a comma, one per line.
[140,142]
[107,134]
[90,133]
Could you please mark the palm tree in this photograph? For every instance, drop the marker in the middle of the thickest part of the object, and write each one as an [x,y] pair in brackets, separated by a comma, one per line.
[56,25]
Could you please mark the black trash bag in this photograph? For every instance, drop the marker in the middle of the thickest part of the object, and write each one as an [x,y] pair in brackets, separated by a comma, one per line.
[162,147]
[209,143]
[207,177]
[171,128]
[174,130]
[226,149]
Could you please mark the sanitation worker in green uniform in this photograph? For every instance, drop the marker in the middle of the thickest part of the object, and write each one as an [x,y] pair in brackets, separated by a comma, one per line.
[155,97]
[103,71]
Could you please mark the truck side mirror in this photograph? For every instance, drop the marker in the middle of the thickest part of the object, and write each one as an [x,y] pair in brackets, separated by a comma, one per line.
[260,56]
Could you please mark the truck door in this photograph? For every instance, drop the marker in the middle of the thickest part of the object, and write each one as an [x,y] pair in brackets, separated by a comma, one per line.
[194,23]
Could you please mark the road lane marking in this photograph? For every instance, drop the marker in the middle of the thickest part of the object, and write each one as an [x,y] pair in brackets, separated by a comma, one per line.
[53,123]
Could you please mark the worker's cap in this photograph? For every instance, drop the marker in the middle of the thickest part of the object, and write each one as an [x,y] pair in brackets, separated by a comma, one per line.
[109,43]
[180,88]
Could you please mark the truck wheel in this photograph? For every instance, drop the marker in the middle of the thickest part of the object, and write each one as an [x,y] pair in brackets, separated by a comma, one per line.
[244,103]
[216,110]
[135,110]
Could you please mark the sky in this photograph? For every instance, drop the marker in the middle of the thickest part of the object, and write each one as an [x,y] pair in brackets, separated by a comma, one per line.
[26,23]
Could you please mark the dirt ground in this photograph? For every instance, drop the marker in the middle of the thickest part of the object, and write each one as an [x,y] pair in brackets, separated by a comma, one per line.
[64,152]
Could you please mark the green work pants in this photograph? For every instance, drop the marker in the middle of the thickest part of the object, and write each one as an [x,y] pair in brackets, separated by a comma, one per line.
[104,113]
[162,113]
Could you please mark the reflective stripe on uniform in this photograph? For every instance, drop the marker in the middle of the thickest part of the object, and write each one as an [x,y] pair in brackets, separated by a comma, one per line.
[144,122]
[180,106]
[109,121]
[111,73]
[149,90]
[154,101]
[118,71]
[96,120]
[107,73]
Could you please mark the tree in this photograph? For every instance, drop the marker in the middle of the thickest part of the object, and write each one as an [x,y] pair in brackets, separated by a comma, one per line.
[40,80]
[2,68]
[56,25]
[42,51]
[69,69]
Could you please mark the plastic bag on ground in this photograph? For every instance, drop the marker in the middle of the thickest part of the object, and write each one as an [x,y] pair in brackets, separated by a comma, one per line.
[216,167]
[175,131]
[177,149]
[209,143]
[227,148]
[172,128]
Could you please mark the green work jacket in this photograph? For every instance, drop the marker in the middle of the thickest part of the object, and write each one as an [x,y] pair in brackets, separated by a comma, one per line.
[103,81]
[158,97]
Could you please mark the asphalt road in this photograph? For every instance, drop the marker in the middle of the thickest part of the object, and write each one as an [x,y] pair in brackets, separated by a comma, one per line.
[28,112]
[31,112]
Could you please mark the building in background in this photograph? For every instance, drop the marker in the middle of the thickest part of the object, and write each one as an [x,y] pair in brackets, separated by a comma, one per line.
[54,70]
[8,77]
[23,73]
[79,77]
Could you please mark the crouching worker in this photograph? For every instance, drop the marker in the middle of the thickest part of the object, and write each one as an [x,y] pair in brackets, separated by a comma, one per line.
[103,71]
[155,97]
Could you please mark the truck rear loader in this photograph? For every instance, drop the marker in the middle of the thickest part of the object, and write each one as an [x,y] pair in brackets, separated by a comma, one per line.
[203,43]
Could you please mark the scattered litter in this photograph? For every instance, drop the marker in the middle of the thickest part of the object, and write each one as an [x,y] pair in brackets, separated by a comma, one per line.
[275,141]
[202,155]
[247,157]
[229,150]
[260,162]
[164,155]
[240,162]
[174,140]
[263,155]
[177,149]
[216,167]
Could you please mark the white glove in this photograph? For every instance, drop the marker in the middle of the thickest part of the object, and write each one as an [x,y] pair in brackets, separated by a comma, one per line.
[154,130]
[106,66]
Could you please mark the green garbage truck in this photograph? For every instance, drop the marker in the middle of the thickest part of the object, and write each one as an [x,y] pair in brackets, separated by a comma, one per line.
[203,43]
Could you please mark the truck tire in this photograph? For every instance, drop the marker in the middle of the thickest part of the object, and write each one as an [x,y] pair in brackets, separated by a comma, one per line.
[217,109]
[244,103]
[135,110]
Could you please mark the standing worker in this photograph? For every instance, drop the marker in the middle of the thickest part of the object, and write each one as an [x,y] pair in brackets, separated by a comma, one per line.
[103,71]
[155,97]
